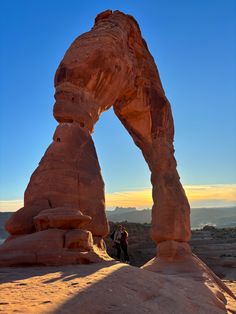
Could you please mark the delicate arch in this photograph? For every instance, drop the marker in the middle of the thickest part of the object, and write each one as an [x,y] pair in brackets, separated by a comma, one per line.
[108,66]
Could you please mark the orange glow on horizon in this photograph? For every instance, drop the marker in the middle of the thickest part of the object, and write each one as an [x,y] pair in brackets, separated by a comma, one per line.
[198,195]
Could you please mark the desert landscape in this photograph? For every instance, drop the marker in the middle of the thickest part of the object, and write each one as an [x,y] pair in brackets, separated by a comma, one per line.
[56,251]
[76,285]
[215,246]
[110,287]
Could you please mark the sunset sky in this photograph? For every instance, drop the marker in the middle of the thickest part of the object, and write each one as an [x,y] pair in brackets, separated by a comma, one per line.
[193,43]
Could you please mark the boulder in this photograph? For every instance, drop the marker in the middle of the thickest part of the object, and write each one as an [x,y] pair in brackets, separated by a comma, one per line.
[21,222]
[24,249]
[79,239]
[61,218]
[44,240]
[51,247]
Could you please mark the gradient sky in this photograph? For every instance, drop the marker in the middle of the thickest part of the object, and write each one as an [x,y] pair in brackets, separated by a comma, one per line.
[193,43]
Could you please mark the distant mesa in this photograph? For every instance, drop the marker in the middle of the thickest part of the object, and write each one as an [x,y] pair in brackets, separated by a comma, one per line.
[220,217]
[123,210]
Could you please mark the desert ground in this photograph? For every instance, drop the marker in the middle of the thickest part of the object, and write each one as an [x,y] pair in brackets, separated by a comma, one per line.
[109,287]
[114,287]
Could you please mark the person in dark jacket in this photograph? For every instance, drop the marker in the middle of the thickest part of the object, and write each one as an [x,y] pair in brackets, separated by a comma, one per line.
[117,238]
[124,243]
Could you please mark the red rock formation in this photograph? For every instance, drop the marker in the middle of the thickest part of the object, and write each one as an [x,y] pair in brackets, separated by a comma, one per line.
[51,247]
[108,66]
[111,66]
[63,219]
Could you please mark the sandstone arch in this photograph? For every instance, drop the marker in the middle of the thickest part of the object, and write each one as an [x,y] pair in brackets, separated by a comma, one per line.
[63,219]
[118,70]
[107,66]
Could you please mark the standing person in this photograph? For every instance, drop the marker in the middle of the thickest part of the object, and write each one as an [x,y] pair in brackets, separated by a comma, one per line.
[117,238]
[124,244]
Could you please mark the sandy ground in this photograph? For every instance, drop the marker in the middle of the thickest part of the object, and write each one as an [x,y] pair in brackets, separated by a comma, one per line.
[109,287]
[232,303]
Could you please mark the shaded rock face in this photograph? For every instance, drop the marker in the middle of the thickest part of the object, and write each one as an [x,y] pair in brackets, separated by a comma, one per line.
[51,247]
[107,66]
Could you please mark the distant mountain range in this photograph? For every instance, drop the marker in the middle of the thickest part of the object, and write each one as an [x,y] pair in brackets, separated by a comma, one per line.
[3,218]
[129,214]
[223,217]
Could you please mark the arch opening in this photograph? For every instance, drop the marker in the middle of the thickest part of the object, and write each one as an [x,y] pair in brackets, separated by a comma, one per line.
[124,170]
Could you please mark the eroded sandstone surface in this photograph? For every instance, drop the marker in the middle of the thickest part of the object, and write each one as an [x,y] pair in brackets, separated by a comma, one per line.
[107,66]
[63,220]
[109,287]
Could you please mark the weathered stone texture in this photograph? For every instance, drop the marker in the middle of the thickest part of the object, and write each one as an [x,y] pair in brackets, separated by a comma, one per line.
[107,66]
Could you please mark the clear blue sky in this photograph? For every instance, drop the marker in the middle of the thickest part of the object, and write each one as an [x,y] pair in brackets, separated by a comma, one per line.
[193,43]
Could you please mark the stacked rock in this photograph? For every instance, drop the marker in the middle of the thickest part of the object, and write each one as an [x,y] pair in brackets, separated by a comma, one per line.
[60,238]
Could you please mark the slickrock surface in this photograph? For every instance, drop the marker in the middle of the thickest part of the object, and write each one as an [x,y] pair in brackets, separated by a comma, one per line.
[104,288]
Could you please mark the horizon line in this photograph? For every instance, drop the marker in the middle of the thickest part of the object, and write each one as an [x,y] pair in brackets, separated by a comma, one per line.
[199,196]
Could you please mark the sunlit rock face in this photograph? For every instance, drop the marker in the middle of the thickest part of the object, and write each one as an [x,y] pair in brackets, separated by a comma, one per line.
[107,66]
